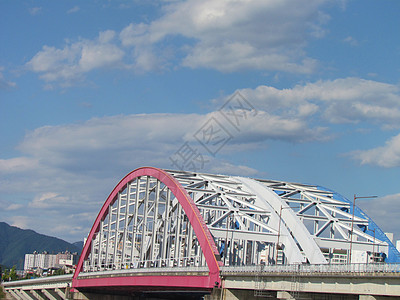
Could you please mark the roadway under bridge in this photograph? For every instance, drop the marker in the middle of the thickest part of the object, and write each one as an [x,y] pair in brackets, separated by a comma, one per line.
[166,233]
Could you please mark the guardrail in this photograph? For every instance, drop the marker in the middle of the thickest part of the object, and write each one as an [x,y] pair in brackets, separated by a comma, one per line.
[40,280]
[323,268]
[122,272]
[182,262]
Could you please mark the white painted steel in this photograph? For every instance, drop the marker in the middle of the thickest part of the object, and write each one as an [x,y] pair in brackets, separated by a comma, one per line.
[146,226]
[293,230]
[328,220]
[316,269]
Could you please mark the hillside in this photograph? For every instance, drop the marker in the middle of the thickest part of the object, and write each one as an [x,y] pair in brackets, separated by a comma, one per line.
[16,242]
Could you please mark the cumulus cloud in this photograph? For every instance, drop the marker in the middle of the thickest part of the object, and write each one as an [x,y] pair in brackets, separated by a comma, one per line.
[343,100]
[387,156]
[5,84]
[18,164]
[383,209]
[35,10]
[143,139]
[222,35]
[230,36]
[20,222]
[48,199]
[69,64]
[67,165]
[13,206]
[293,111]
[351,41]
[73,10]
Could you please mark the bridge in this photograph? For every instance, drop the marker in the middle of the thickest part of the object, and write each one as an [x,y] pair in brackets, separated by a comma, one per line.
[166,233]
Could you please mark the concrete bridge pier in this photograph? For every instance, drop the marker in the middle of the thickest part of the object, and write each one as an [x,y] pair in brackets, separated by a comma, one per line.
[370,297]
[231,294]
[239,294]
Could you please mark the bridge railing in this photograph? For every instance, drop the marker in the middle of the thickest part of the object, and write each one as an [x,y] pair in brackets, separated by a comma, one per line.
[322,268]
[183,262]
[65,279]
[165,270]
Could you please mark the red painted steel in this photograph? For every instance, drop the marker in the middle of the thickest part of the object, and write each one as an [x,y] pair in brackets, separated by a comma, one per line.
[181,282]
[200,228]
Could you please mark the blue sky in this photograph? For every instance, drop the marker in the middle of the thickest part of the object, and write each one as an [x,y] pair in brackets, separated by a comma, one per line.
[90,90]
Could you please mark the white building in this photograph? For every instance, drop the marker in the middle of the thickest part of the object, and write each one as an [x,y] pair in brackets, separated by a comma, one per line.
[45,260]
[66,259]
[30,261]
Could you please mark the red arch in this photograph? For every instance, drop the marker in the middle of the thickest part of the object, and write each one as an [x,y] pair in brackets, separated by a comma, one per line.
[196,220]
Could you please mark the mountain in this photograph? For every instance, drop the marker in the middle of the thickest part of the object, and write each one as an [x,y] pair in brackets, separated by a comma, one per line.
[79,244]
[16,242]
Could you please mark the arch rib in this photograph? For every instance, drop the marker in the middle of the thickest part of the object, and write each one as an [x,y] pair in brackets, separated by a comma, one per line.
[310,248]
[201,230]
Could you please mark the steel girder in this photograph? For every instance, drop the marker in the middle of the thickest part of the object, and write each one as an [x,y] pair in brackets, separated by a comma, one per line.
[164,218]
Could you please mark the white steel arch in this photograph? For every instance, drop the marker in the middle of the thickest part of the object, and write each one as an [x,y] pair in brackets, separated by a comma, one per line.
[251,222]
[311,224]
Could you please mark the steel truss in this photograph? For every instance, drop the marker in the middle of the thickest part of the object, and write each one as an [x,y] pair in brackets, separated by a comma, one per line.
[145,227]
[251,221]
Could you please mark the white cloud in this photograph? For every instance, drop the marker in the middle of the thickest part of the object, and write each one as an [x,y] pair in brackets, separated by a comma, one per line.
[237,56]
[67,165]
[18,164]
[20,222]
[153,136]
[48,199]
[351,41]
[228,168]
[35,10]
[343,100]
[222,35]
[384,211]
[69,64]
[73,10]
[229,36]
[13,206]
[387,156]
[5,84]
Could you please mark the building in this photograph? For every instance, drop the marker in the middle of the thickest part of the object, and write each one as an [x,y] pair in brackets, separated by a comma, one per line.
[66,259]
[30,261]
[45,260]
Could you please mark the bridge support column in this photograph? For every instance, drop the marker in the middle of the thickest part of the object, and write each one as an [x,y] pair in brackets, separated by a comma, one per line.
[15,294]
[76,295]
[37,295]
[284,295]
[26,295]
[231,294]
[60,293]
[48,294]
[370,297]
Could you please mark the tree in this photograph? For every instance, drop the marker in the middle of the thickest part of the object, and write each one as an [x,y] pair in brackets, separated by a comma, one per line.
[59,272]
[10,275]
[2,294]
[13,274]
[5,275]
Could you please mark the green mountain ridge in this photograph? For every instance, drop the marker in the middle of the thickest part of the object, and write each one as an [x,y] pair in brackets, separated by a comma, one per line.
[16,242]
